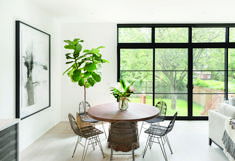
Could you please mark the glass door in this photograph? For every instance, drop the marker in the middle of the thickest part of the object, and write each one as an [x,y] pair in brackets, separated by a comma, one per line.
[208,79]
[171,79]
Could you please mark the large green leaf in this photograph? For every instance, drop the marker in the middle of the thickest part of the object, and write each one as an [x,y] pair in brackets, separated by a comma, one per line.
[123,84]
[77,72]
[76,40]
[75,55]
[104,61]
[97,58]
[100,47]
[67,54]
[70,72]
[78,48]
[95,50]
[96,77]
[69,47]
[75,78]
[69,42]
[86,51]
[90,67]
[86,74]
[72,79]
[91,81]
[69,62]
[81,82]
[69,57]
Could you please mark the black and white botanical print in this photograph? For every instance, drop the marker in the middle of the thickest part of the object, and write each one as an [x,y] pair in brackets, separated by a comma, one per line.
[34,65]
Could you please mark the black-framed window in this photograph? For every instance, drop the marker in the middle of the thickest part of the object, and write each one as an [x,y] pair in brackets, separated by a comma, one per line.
[189,66]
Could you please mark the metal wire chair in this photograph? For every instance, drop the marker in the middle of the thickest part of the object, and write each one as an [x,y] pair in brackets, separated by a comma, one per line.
[161,105]
[123,132]
[90,133]
[83,114]
[160,133]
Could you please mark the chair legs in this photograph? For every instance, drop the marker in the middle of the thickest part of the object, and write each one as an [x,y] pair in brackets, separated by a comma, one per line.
[98,140]
[104,130]
[168,143]
[78,139]
[89,141]
[84,151]
[146,146]
[141,127]
[151,142]
[161,140]
[162,148]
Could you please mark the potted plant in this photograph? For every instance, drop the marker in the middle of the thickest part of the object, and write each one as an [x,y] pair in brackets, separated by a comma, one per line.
[122,94]
[84,65]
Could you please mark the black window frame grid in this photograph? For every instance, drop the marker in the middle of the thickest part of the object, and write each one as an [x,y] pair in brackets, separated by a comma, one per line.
[190,46]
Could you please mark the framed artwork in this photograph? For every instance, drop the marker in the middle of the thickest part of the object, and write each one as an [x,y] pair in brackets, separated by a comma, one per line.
[32,70]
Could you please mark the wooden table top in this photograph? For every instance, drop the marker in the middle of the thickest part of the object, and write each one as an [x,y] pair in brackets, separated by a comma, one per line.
[110,112]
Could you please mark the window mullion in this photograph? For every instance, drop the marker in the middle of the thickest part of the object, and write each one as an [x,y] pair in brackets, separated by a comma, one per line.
[153,42]
[190,74]
[226,63]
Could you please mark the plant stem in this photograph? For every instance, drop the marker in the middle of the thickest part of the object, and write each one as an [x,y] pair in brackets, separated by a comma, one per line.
[123,101]
[84,99]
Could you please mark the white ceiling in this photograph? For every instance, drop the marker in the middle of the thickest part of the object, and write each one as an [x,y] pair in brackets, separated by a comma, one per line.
[141,11]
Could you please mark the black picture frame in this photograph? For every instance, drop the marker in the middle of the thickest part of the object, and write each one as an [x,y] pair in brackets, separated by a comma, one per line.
[33,70]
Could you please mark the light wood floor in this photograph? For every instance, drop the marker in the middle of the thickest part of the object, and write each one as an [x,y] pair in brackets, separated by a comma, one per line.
[189,140]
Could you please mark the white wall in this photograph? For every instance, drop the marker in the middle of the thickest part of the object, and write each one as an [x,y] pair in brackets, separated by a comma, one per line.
[94,35]
[32,127]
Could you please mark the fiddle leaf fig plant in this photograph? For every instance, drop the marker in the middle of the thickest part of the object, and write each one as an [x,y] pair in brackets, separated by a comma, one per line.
[84,65]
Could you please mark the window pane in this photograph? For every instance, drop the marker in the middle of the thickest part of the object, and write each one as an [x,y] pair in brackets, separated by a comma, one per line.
[142,98]
[231,82]
[208,82]
[171,35]
[208,35]
[231,59]
[208,59]
[232,34]
[143,80]
[204,102]
[134,35]
[136,59]
[171,59]
[171,82]
[175,103]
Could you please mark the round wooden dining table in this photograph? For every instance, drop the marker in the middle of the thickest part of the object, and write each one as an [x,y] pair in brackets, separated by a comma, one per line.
[110,112]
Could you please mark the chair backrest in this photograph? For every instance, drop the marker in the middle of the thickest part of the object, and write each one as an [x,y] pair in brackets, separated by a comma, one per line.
[123,132]
[161,105]
[171,124]
[81,123]
[74,125]
[83,107]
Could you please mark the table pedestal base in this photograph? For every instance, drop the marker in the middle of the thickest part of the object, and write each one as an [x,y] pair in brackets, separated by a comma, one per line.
[125,147]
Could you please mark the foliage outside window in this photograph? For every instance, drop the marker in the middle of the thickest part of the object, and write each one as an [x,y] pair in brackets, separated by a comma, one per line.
[168,72]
